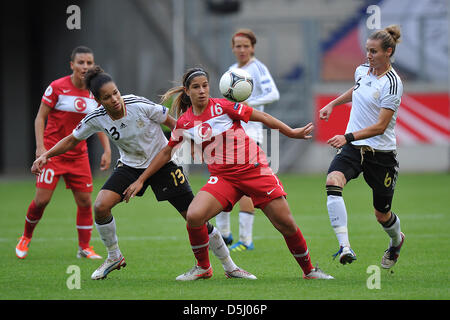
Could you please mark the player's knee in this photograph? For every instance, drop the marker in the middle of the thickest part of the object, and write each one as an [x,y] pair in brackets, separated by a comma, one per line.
[84,202]
[381,217]
[286,226]
[194,218]
[335,178]
[289,230]
[101,209]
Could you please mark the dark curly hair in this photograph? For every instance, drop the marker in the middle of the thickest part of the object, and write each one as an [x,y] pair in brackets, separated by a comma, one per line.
[95,78]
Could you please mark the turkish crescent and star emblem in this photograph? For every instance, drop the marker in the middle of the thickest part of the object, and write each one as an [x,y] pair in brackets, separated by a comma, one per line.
[80,105]
[205,131]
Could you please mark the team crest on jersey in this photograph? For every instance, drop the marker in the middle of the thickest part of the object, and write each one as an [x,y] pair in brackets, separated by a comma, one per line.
[80,105]
[376,94]
[205,131]
[140,123]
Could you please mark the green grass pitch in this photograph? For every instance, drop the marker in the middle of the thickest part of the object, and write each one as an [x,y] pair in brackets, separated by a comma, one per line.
[154,241]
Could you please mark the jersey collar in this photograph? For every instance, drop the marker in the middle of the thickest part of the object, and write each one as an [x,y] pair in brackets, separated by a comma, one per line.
[378,77]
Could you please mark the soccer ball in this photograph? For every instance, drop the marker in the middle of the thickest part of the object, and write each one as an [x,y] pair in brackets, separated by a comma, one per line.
[236,85]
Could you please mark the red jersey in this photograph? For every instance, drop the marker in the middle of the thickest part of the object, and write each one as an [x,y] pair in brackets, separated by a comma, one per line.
[225,146]
[69,105]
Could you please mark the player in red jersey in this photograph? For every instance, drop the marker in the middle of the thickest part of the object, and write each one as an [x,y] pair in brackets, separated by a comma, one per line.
[65,102]
[237,166]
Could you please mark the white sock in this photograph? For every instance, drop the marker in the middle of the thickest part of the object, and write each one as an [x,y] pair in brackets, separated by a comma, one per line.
[220,250]
[394,232]
[246,227]
[338,218]
[108,235]
[223,223]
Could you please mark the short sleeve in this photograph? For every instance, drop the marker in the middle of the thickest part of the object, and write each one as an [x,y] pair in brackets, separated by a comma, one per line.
[237,111]
[156,112]
[50,97]
[391,93]
[85,128]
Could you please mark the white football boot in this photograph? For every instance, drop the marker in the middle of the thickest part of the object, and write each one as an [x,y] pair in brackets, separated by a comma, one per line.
[196,273]
[317,273]
[240,273]
[108,266]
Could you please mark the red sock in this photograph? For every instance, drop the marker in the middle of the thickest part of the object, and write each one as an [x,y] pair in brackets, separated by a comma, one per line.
[198,236]
[84,226]
[297,245]
[32,218]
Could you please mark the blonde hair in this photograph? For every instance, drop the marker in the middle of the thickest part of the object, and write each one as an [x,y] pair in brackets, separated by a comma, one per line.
[182,101]
[389,37]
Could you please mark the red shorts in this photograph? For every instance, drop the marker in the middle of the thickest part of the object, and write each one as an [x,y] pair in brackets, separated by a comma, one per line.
[229,189]
[76,173]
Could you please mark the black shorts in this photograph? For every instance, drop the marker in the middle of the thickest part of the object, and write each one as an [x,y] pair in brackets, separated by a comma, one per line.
[168,183]
[379,168]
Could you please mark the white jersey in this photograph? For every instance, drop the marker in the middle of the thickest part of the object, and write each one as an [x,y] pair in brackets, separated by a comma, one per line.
[370,94]
[137,135]
[264,92]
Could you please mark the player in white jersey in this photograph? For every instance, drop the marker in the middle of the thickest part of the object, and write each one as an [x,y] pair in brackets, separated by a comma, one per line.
[133,124]
[264,92]
[369,144]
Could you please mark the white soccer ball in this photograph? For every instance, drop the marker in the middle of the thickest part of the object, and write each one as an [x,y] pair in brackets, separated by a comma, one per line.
[236,85]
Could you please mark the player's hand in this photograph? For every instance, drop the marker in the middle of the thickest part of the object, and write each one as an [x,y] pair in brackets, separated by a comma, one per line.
[40,152]
[105,161]
[325,112]
[337,141]
[303,132]
[132,190]
[36,168]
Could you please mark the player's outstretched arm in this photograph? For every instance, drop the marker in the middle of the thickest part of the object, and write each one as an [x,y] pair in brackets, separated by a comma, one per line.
[157,163]
[274,123]
[346,97]
[61,147]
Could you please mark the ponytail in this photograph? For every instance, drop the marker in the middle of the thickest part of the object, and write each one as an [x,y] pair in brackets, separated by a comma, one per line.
[180,104]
